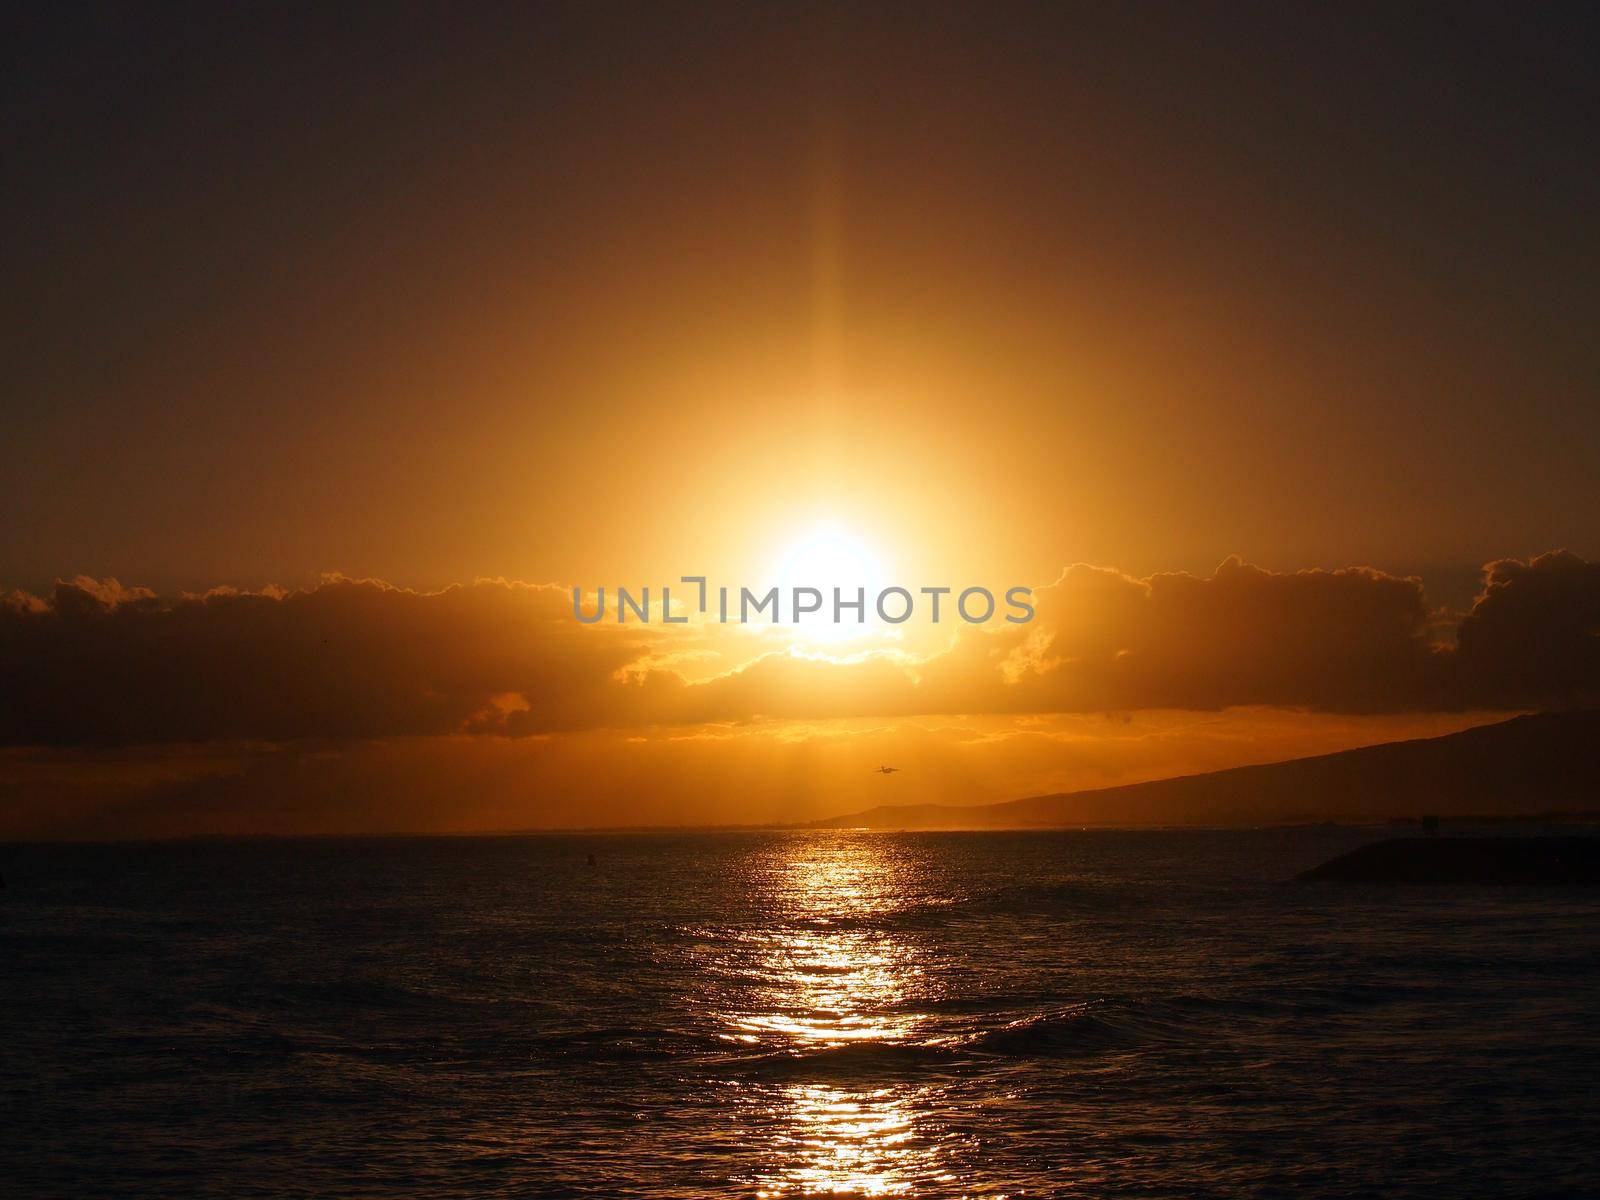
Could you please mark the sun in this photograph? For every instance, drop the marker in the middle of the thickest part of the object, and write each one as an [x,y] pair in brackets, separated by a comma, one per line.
[827,559]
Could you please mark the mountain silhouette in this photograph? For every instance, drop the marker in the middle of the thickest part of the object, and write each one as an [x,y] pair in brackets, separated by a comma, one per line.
[1527,766]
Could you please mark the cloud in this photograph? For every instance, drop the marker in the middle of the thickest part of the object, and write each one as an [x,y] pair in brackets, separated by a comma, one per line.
[1350,640]
[1533,635]
[96,663]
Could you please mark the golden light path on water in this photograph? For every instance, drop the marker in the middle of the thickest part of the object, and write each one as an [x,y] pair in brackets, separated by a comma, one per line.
[830,980]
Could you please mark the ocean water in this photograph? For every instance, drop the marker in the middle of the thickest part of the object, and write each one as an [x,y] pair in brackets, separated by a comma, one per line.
[1094,1014]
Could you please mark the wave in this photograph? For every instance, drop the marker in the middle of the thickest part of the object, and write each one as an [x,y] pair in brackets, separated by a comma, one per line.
[1088,1028]
[614,1044]
[1077,1030]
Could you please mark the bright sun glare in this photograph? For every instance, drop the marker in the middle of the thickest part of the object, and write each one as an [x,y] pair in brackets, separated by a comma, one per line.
[826,560]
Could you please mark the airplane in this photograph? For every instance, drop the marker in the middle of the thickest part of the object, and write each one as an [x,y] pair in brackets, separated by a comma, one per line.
[886,770]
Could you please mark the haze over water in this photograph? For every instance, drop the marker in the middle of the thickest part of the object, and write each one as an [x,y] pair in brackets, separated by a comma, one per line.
[1094,1014]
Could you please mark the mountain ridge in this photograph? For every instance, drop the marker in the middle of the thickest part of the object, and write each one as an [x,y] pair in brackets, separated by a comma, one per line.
[1525,766]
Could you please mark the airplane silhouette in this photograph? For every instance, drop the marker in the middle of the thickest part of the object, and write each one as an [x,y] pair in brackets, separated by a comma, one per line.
[886,770]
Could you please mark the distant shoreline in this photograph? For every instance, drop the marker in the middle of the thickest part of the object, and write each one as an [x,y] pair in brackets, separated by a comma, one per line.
[1562,820]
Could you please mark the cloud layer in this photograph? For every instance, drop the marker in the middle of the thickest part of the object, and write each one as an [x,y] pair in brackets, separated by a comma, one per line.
[95,663]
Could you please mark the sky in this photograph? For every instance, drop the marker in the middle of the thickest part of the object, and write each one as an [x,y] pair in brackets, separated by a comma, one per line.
[340,344]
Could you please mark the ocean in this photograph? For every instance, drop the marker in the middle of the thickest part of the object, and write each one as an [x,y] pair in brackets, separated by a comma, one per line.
[1088,1013]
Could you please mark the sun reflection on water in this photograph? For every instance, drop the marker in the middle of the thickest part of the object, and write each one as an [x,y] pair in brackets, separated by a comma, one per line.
[843,1142]
[831,980]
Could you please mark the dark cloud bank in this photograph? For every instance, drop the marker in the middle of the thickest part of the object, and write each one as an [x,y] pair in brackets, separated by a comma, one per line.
[96,663]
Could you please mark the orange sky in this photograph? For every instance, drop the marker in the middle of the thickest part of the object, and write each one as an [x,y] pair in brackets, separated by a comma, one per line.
[544,296]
